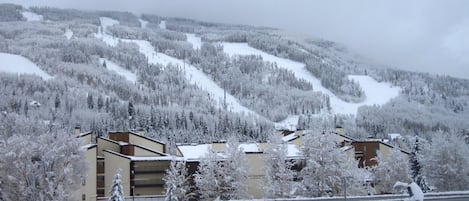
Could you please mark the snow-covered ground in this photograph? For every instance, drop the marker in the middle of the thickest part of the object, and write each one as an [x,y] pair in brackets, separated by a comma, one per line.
[290,123]
[12,63]
[68,34]
[376,93]
[131,77]
[108,39]
[30,16]
[192,74]
[162,24]
[143,23]
[194,40]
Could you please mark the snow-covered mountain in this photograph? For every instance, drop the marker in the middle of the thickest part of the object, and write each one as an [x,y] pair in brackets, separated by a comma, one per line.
[199,81]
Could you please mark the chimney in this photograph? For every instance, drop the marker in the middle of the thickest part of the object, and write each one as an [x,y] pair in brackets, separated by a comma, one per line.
[77,131]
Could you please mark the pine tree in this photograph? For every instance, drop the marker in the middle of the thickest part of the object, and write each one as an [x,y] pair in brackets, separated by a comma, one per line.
[177,182]
[447,162]
[327,168]
[278,173]
[207,177]
[117,190]
[416,166]
[389,170]
[235,172]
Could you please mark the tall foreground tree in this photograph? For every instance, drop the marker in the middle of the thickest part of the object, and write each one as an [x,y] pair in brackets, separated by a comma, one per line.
[235,170]
[208,176]
[328,169]
[223,176]
[390,169]
[40,167]
[447,163]
[416,165]
[117,190]
[177,182]
[278,173]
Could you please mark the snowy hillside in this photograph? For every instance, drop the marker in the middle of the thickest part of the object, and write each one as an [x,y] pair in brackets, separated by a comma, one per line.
[30,16]
[192,74]
[11,63]
[131,77]
[194,40]
[68,34]
[369,85]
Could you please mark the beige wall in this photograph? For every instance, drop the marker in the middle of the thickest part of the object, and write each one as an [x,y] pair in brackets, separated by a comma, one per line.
[135,139]
[256,172]
[106,145]
[114,162]
[138,151]
[219,147]
[89,187]
[87,139]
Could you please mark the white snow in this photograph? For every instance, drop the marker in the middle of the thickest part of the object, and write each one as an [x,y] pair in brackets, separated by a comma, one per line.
[30,16]
[12,63]
[194,151]
[289,137]
[249,147]
[376,93]
[143,23]
[293,151]
[68,34]
[290,123]
[108,39]
[194,40]
[131,77]
[162,24]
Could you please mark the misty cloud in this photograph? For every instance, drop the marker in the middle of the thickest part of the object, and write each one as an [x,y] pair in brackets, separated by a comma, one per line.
[421,35]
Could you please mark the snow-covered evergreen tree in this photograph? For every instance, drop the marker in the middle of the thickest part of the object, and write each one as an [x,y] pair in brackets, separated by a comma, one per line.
[207,177]
[117,190]
[327,168]
[447,162]
[235,171]
[177,184]
[40,167]
[279,176]
[390,169]
[416,165]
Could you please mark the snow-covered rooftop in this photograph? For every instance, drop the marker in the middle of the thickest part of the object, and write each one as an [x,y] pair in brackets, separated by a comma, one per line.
[290,137]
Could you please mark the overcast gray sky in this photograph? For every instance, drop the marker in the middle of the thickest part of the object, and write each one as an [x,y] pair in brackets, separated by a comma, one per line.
[420,35]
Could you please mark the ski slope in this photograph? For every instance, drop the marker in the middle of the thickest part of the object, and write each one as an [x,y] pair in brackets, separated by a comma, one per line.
[31,17]
[162,24]
[143,23]
[68,34]
[106,38]
[192,74]
[128,75]
[12,63]
[194,40]
[376,93]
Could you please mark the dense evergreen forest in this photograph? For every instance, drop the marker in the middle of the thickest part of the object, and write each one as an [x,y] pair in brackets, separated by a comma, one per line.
[83,92]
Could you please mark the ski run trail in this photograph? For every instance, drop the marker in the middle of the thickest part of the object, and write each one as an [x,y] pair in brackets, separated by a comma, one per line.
[192,74]
[376,93]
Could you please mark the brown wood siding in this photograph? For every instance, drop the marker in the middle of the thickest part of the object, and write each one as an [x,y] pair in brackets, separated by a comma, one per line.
[119,136]
[365,152]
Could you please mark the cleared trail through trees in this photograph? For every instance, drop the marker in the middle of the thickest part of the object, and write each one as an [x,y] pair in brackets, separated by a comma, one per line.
[376,93]
[196,77]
